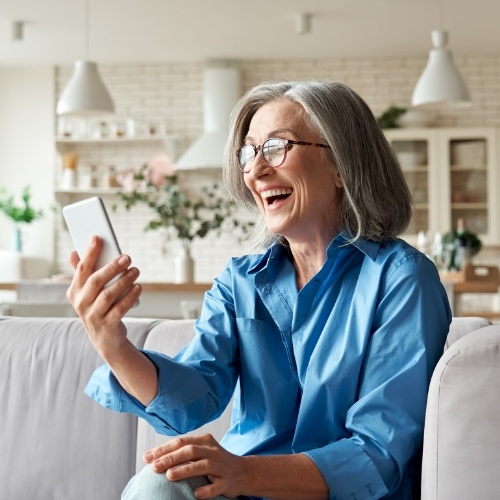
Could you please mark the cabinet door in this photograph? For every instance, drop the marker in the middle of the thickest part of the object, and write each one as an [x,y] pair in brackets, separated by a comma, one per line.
[416,151]
[469,179]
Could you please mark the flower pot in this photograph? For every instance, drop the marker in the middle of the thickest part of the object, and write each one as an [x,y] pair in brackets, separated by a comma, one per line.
[184,265]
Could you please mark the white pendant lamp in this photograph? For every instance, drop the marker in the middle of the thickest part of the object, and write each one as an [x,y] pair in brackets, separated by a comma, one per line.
[440,83]
[85,93]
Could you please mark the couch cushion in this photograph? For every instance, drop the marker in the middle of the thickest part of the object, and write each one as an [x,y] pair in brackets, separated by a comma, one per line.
[55,442]
[169,337]
[462,433]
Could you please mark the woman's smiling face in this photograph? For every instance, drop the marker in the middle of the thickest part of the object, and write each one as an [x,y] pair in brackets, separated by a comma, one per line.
[299,199]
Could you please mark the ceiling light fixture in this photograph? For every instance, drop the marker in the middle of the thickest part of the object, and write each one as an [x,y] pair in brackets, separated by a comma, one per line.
[302,23]
[85,93]
[17,30]
[440,84]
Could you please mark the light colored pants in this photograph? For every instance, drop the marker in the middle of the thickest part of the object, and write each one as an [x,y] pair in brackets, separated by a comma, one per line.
[148,485]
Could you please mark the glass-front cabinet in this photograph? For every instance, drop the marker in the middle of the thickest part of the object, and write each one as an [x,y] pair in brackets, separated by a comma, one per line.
[416,150]
[452,174]
[470,186]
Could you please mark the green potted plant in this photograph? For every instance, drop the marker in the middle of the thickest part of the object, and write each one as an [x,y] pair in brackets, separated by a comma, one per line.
[20,214]
[389,118]
[459,246]
[186,217]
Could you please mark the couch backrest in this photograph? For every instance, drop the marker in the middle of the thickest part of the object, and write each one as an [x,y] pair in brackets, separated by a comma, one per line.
[169,337]
[57,444]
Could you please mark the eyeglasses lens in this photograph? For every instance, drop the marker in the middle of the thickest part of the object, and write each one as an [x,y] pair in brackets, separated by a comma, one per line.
[273,151]
[245,156]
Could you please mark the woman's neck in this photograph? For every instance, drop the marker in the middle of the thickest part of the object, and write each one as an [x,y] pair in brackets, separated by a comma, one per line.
[308,258]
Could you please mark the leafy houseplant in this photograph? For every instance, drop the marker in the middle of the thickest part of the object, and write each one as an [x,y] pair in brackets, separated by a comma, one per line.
[388,119]
[459,241]
[22,213]
[187,217]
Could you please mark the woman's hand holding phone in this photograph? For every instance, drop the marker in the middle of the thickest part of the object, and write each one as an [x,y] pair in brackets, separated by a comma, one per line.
[101,306]
[103,289]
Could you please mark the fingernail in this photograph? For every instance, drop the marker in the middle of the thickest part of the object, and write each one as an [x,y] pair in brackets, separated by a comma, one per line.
[148,456]
[123,260]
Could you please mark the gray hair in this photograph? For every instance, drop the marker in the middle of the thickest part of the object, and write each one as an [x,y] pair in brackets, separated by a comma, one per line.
[376,203]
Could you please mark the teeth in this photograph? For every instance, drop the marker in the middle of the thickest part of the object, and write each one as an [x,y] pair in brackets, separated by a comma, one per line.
[275,192]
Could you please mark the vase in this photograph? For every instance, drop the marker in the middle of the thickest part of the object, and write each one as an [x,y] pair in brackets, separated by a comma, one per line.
[184,265]
[16,243]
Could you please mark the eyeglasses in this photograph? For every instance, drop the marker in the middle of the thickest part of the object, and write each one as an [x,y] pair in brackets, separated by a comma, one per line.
[273,151]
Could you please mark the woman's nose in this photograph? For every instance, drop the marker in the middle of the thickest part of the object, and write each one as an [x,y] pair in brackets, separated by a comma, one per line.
[260,167]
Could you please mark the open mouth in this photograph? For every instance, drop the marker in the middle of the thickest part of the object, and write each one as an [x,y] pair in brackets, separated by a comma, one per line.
[273,195]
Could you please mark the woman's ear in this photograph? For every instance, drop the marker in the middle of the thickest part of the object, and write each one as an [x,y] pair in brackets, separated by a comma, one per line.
[338,180]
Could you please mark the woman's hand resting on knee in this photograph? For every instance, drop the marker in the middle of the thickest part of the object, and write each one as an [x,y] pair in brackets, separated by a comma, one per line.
[202,455]
[289,477]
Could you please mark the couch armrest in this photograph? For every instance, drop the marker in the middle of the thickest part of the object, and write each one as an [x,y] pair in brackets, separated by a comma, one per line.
[461,326]
[461,458]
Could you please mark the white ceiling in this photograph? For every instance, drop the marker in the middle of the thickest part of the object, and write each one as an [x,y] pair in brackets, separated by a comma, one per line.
[134,31]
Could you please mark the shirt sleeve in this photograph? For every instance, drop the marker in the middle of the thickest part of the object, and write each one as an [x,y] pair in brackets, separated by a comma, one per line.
[386,422]
[195,386]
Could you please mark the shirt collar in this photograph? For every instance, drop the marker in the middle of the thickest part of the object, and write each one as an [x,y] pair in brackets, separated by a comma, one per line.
[368,247]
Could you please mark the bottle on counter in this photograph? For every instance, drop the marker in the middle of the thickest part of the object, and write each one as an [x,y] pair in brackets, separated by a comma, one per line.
[462,246]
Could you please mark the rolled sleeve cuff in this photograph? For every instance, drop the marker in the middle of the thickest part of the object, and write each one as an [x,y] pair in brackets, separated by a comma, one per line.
[348,471]
[173,411]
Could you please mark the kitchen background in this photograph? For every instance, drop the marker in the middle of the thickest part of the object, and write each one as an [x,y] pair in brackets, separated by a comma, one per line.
[171,94]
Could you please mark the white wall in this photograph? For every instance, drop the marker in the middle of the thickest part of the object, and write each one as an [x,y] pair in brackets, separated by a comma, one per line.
[27,150]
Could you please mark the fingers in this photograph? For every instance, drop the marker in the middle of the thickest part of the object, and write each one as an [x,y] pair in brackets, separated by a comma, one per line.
[90,288]
[202,455]
[74,259]
[176,444]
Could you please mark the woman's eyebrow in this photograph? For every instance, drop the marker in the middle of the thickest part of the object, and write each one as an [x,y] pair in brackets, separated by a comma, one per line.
[273,132]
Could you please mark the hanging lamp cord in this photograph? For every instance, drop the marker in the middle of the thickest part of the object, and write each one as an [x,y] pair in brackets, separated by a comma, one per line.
[87,29]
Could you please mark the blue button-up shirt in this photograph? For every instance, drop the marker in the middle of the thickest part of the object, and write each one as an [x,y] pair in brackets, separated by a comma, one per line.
[338,371]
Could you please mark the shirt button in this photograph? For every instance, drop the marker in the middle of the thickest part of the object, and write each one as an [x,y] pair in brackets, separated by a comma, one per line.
[266,289]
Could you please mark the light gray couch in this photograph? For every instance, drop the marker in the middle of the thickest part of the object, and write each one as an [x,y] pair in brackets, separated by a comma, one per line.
[57,444]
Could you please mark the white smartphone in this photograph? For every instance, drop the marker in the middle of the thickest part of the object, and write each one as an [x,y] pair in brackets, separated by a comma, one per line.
[87,218]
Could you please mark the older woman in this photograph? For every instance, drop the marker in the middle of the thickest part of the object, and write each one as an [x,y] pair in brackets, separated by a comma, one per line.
[328,338]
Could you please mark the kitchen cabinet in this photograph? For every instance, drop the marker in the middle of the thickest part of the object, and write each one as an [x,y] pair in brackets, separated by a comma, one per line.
[92,162]
[452,173]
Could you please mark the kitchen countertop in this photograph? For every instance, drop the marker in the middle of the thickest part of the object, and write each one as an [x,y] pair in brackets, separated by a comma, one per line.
[158,299]
[146,286]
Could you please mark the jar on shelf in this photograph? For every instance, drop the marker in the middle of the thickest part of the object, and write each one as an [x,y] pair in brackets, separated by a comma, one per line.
[69,163]
[109,177]
[88,177]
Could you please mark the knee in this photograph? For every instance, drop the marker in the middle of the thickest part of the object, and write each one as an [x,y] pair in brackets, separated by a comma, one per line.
[148,485]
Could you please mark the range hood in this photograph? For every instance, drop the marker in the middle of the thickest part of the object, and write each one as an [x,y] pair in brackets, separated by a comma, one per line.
[221,90]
